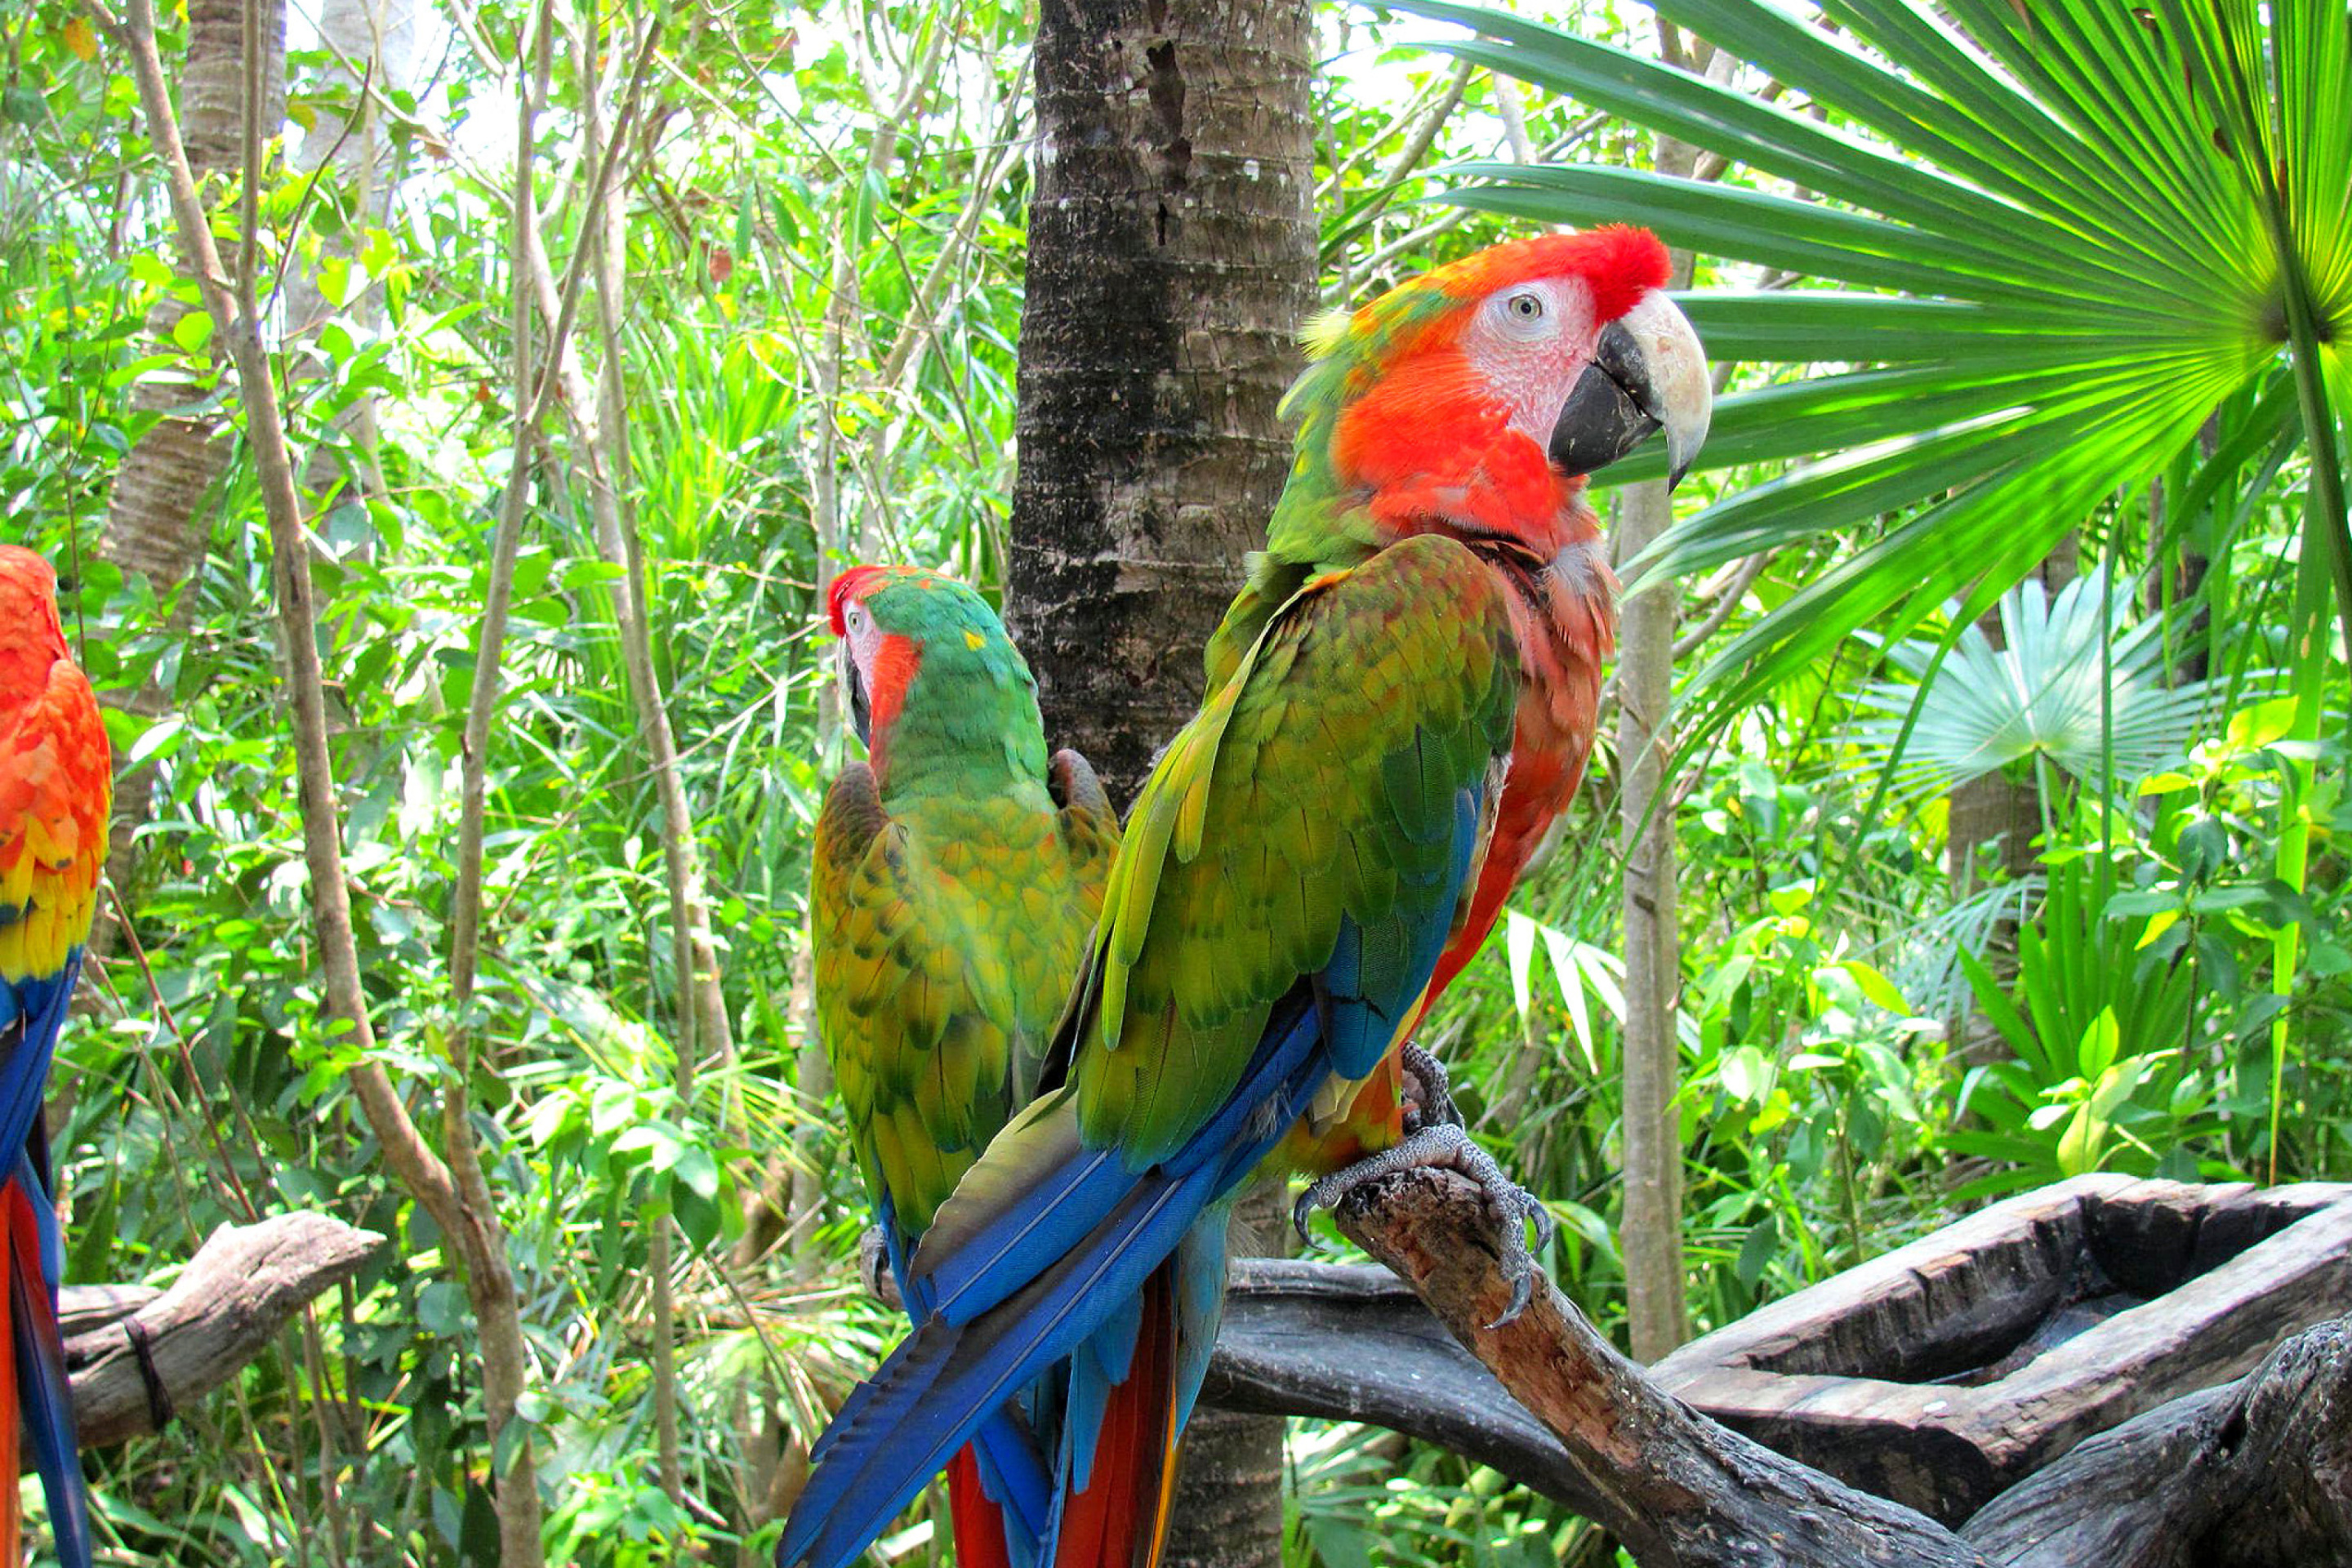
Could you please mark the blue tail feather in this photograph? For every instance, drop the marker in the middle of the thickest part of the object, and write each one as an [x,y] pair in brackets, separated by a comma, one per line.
[44,1393]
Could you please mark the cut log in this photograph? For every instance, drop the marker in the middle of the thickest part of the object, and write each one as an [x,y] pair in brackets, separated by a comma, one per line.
[2254,1474]
[230,1300]
[1946,1371]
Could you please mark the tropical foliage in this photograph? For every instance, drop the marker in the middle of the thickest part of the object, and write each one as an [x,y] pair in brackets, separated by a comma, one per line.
[1990,277]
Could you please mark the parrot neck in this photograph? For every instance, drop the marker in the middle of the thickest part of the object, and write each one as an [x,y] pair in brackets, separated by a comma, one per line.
[967,731]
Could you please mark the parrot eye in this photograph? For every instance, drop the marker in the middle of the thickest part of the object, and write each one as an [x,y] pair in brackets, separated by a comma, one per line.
[1526,307]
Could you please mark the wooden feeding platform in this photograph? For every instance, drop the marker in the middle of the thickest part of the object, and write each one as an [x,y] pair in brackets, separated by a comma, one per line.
[1942,1374]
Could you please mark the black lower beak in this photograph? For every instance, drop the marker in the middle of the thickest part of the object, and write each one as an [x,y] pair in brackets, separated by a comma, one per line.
[861,706]
[1604,417]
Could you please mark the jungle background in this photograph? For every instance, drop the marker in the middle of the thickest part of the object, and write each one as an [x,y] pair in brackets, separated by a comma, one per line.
[1998,831]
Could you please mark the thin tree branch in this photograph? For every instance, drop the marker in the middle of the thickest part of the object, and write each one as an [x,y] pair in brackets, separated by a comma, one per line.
[1726,602]
[460,1211]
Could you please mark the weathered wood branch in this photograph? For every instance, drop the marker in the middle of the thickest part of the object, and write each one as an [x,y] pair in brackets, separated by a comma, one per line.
[1679,1491]
[230,1300]
[2253,1474]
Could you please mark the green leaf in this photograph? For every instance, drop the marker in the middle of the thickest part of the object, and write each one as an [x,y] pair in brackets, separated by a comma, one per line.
[2083,278]
[193,331]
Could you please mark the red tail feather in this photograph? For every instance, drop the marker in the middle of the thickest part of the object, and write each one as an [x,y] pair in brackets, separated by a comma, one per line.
[1119,1520]
[12,1463]
[978,1523]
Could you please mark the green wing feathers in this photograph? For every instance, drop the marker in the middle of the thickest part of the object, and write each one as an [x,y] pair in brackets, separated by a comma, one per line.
[947,933]
[1320,781]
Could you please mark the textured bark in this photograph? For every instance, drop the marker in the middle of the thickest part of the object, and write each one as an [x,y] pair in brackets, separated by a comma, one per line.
[1679,1491]
[1650,1232]
[2254,1474]
[1228,1509]
[233,1298]
[1171,258]
[157,524]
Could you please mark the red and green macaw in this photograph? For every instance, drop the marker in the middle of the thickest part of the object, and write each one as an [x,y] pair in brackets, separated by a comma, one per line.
[1401,700]
[958,872]
[56,784]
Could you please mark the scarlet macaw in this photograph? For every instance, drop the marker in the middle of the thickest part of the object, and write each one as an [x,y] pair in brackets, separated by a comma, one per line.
[958,871]
[57,785]
[1312,847]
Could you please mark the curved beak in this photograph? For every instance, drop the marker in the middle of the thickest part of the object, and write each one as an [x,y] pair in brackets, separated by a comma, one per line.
[1648,374]
[861,706]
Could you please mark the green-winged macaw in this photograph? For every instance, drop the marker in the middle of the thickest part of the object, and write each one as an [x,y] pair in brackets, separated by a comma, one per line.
[958,872]
[56,783]
[1401,701]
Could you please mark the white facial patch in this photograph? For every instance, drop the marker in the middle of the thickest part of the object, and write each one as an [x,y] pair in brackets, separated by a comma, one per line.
[1530,341]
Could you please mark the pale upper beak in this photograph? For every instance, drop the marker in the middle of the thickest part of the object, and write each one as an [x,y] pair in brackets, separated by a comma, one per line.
[1648,373]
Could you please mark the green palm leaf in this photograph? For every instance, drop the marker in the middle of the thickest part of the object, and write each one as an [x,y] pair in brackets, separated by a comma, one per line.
[2067,229]
[2038,695]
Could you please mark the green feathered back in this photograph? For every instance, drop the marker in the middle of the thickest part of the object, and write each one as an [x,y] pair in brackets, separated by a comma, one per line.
[951,901]
[1318,781]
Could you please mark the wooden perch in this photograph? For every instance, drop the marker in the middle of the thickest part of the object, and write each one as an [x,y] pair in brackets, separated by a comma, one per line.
[230,1300]
[1679,1491]
[2257,1474]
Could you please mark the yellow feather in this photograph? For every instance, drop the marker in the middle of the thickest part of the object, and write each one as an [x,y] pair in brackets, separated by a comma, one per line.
[1325,331]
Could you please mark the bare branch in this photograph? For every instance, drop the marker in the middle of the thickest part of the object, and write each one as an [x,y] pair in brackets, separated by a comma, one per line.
[231,1299]
[1679,1491]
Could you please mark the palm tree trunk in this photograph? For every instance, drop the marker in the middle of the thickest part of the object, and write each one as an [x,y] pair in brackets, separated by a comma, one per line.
[157,526]
[1172,258]
[2003,815]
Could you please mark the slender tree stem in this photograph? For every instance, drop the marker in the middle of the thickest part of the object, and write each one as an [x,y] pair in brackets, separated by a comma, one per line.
[454,1197]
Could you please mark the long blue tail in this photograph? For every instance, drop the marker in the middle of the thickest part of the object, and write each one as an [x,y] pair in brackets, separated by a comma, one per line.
[939,1386]
[40,1391]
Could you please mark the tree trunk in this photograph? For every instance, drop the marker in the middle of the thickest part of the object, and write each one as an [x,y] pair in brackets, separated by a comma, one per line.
[153,526]
[376,38]
[1650,1229]
[1172,258]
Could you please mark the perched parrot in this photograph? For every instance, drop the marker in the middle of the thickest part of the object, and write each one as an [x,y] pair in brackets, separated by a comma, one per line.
[1309,850]
[958,873]
[56,784]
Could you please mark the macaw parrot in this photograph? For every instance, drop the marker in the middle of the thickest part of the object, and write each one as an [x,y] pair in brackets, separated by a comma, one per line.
[958,872]
[56,784]
[1326,834]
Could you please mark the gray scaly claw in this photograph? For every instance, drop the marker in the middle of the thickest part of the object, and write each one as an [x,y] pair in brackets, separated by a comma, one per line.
[1445,1146]
[1428,1097]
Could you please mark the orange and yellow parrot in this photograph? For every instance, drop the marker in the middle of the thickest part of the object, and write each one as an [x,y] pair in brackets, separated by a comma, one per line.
[55,787]
[1401,700]
[958,872]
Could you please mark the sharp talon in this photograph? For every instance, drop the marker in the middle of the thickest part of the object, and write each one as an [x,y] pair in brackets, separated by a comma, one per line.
[1546,1227]
[1302,1212]
[1522,1290]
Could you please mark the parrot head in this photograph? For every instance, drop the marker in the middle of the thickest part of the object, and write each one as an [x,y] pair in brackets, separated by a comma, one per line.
[32,638]
[1477,397]
[897,624]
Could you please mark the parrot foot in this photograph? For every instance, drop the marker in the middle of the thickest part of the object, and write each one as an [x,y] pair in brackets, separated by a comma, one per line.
[1428,1097]
[1446,1147]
